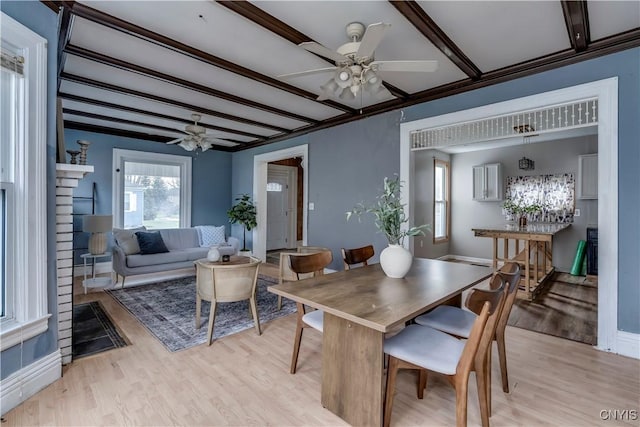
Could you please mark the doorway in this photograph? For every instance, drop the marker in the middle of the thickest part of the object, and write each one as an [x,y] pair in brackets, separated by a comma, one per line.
[281,206]
[606,92]
[260,175]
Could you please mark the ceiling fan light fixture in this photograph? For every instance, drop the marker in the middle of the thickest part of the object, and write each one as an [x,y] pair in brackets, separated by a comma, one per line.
[370,77]
[188,145]
[347,94]
[330,87]
[343,77]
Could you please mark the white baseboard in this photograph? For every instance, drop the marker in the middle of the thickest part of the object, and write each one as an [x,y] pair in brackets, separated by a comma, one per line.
[26,382]
[468,259]
[101,267]
[628,344]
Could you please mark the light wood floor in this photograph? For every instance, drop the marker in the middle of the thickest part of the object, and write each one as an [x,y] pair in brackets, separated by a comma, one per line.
[244,380]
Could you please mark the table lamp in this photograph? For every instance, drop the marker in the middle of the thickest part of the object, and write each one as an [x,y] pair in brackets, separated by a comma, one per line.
[98,226]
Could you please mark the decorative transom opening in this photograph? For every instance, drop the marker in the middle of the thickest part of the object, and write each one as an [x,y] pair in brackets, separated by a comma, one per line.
[566,116]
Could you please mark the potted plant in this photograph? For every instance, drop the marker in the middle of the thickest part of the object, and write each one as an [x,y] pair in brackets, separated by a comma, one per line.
[390,219]
[520,210]
[243,213]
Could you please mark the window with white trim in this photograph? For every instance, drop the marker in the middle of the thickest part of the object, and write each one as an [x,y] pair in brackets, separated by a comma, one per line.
[441,196]
[23,167]
[151,189]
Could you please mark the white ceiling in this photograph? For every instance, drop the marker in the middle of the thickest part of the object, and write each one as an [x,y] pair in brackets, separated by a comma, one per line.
[172,82]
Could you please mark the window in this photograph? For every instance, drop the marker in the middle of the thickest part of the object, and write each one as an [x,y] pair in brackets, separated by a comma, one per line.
[23,170]
[441,196]
[152,190]
[274,186]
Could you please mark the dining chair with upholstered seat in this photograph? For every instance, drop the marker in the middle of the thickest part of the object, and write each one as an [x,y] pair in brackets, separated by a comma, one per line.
[224,282]
[302,264]
[426,349]
[356,256]
[458,322]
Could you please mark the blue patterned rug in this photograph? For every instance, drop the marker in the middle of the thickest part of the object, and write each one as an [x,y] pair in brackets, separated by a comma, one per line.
[168,311]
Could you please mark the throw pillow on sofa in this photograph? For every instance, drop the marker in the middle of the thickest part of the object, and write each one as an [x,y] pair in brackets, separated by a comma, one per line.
[151,242]
[127,240]
[210,235]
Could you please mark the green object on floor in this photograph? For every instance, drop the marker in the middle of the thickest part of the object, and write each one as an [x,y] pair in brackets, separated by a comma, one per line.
[576,268]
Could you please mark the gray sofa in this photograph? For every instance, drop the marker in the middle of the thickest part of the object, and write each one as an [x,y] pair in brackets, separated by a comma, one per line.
[183,245]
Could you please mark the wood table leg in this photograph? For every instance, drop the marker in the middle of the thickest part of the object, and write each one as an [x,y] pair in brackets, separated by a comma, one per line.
[352,371]
[527,256]
[495,253]
[505,250]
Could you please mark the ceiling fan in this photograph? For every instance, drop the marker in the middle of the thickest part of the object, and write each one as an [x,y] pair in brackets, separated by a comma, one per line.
[356,67]
[196,136]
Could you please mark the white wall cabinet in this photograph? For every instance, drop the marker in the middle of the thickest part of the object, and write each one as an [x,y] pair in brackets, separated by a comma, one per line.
[487,182]
[588,176]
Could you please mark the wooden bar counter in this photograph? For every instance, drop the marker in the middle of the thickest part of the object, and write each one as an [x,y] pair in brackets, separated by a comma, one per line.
[535,256]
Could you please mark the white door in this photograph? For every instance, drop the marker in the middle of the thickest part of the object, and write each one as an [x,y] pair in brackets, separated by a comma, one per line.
[281,206]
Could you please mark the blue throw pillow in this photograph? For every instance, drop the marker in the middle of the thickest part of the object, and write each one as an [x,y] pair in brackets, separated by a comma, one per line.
[151,242]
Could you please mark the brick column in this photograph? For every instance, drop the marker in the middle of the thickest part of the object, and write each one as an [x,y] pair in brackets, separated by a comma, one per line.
[67,177]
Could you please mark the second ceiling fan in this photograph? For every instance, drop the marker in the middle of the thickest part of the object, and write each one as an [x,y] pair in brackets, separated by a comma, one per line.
[355,66]
[196,136]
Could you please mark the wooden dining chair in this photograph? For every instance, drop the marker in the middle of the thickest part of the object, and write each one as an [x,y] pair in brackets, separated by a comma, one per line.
[218,283]
[458,322]
[302,264]
[426,349]
[285,272]
[353,257]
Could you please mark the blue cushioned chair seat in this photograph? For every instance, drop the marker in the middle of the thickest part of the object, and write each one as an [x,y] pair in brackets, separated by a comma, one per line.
[449,319]
[426,347]
[314,319]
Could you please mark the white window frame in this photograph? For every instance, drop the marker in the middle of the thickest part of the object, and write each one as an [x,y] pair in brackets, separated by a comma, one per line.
[445,202]
[28,284]
[120,156]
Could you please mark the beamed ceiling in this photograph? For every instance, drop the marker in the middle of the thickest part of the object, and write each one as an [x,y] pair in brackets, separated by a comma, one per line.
[141,68]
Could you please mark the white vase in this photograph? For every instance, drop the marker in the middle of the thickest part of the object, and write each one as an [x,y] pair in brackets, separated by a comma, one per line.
[213,255]
[396,261]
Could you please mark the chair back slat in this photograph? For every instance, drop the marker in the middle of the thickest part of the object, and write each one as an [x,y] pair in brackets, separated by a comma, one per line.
[510,273]
[356,256]
[487,304]
[310,263]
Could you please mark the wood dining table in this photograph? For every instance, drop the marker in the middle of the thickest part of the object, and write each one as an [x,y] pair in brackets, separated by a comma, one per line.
[362,305]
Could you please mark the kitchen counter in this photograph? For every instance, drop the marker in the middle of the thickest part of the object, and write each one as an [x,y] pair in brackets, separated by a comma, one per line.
[532,227]
[536,256]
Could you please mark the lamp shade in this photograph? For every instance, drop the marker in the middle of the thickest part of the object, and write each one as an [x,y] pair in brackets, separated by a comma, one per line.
[97,223]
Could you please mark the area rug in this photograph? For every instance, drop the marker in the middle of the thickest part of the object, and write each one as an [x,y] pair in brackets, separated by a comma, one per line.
[566,308]
[168,309]
[93,331]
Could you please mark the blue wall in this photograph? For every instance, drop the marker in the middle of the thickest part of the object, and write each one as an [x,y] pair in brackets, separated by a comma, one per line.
[211,180]
[211,174]
[348,163]
[43,21]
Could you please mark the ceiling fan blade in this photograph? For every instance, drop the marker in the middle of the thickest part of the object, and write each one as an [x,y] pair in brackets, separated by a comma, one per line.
[307,73]
[175,141]
[325,52]
[406,66]
[371,39]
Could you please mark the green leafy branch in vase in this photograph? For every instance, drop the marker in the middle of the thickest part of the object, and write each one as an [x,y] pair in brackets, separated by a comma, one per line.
[389,214]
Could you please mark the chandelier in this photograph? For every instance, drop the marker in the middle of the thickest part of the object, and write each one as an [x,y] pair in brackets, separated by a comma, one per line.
[525,163]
